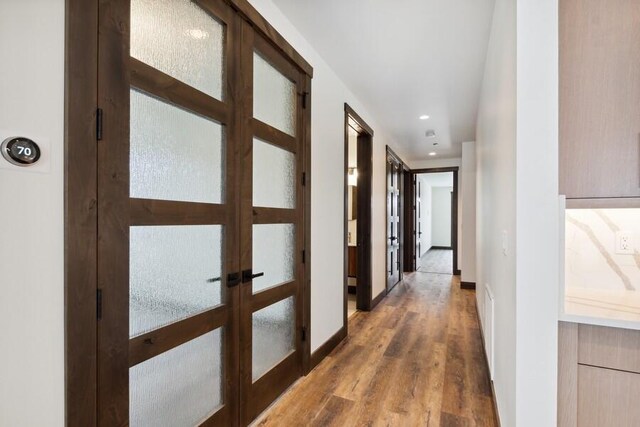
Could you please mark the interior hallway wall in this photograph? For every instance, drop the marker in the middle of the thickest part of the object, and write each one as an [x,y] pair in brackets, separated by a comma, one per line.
[468,212]
[496,202]
[329,94]
[517,161]
[441,217]
[538,223]
[31,217]
[426,240]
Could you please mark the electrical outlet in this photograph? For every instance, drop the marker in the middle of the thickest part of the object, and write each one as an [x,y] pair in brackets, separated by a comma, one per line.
[624,243]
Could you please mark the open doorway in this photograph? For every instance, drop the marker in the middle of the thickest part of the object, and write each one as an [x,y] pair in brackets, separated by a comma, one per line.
[357,214]
[435,221]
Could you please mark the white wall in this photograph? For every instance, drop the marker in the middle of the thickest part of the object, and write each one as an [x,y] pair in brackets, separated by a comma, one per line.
[496,200]
[31,217]
[425,217]
[538,225]
[468,211]
[517,162]
[441,217]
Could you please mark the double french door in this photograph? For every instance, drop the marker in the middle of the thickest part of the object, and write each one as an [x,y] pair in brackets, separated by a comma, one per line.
[200,215]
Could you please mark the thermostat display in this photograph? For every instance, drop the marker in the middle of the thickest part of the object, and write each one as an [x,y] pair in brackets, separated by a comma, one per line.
[20,151]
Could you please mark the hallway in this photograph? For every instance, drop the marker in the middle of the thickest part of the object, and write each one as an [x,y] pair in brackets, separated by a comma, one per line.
[416,360]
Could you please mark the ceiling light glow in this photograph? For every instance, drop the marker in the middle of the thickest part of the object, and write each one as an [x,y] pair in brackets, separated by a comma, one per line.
[424,117]
[433,153]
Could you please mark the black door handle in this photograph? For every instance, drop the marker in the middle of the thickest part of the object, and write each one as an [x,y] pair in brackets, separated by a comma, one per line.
[247,275]
[392,238]
[233,279]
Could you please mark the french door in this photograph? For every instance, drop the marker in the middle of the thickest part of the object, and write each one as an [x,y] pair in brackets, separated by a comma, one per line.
[393,222]
[272,247]
[200,215]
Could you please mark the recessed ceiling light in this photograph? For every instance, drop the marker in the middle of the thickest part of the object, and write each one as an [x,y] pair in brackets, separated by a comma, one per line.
[433,153]
[424,117]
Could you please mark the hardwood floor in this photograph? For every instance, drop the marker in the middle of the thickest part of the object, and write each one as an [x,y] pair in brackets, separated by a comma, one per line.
[416,360]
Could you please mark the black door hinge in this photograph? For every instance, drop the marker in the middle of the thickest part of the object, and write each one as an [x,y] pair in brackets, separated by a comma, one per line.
[304,178]
[304,333]
[304,256]
[305,95]
[99,304]
[99,124]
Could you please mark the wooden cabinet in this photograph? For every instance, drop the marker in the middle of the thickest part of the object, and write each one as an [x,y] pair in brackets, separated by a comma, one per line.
[598,376]
[607,397]
[599,98]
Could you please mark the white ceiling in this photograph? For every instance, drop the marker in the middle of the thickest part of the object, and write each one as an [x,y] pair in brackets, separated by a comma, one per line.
[405,58]
[441,179]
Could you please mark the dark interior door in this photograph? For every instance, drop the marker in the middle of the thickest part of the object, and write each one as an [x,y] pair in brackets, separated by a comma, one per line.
[272,225]
[167,214]
[393,223]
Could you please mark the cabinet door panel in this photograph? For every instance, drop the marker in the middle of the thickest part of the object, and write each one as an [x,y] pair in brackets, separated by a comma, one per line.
[607,397]
[599,98]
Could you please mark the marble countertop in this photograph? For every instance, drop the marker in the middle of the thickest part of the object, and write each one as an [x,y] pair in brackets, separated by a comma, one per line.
[601,285]
[603,307]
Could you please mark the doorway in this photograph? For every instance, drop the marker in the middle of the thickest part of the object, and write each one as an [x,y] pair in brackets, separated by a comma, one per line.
[358,168]
[434,248]
[200,280]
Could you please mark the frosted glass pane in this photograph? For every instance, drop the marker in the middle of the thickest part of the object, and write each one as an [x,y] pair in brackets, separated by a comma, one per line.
[273,335]
[171,272]
[274,171]
[273,254]
[175,155]
[180,39]
[181,387]
[274,96]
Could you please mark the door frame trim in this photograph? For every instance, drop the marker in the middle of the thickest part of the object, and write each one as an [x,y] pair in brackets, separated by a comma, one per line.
[454,212]
[81,196]
[365,177]
[80,212]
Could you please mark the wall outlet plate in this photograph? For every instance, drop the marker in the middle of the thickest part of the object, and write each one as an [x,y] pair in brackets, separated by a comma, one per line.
[625,244]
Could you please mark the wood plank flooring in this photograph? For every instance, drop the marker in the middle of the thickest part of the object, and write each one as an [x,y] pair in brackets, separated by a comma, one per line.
[416,360]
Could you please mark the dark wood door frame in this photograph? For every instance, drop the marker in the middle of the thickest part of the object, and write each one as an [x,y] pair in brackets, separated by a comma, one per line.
[365,179]
[409,261]
[81,184]
[410,246]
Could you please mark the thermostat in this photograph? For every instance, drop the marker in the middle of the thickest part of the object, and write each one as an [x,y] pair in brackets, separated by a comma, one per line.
[20,151]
